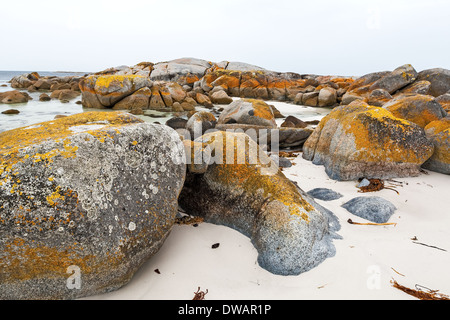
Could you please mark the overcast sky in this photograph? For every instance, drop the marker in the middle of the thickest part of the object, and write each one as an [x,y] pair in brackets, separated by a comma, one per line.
[348,37]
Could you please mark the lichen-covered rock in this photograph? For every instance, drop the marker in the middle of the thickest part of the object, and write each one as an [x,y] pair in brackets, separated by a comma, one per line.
[14,96]
[106,90]
[85,200]
[361,86]
[220,97]
[396,79]
[444,101]
[324,194]
[180,68]
[418,108]
[23,81]
[327,97]
[374,209]
[420,87]
[199,123]
[244,189]
[439,79]
[378,97]
[248,111]
[358,141]
[439,133]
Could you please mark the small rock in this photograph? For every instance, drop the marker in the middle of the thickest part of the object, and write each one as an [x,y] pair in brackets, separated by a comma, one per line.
[11,111]
[215,246]
[374,209]
[324,194]
[44,97]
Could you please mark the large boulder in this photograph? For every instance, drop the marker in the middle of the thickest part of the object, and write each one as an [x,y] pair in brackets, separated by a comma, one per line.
[439,133]
[244,189]
[397,79]
[180,68]
[86,200]
[106,90]
[248,111]
[23,81]
[327,97]
[439,79]
[418,108]
[14,96]
[220,97]
[444,101]
[359,140]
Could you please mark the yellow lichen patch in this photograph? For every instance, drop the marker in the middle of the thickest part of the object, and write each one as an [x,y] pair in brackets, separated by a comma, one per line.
[261,109]
[22,260]
[11,142]
[245,166]
[56,197]
[107,80]
[374,146]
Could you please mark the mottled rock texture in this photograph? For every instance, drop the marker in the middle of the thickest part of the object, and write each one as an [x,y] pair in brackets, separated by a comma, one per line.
[418,108]
[244,189]
[85,200]
[439,133]
[359,140]
[374,209]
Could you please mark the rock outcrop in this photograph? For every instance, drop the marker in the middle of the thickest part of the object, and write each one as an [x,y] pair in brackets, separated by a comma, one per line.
[439,133]
[359,140]
[86,200]
[418,108]
[244,189]
[14,96]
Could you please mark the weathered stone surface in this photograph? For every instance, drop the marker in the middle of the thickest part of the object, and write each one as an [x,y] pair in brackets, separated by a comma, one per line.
[199,123]
[139,100]
[14,96]
[374,209]
[420,87]
[417,108]
[293,122]
[44,97]
[88,197]
[247,191]
[23,81]
[359,141]
[64,94]
[360,87]
[396,80]
[439,79]
[444,101]
[175,69]
[439,133]
[248,111]
[220,97]
[11,111]
[327,97]
[105,91]
[324,194]
[378,97]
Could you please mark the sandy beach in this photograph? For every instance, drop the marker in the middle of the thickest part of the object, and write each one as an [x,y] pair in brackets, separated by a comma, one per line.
[414,251]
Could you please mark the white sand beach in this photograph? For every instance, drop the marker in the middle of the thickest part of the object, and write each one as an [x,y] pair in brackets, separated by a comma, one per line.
[415,251]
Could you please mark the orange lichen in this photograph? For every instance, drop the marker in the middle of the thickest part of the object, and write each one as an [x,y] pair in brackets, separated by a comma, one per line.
[261,109]
[243,166]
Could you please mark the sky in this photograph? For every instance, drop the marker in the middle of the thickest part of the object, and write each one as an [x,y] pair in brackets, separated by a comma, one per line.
[327,37]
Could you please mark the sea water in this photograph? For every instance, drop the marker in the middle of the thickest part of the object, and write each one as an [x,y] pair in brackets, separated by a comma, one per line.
[34,111]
